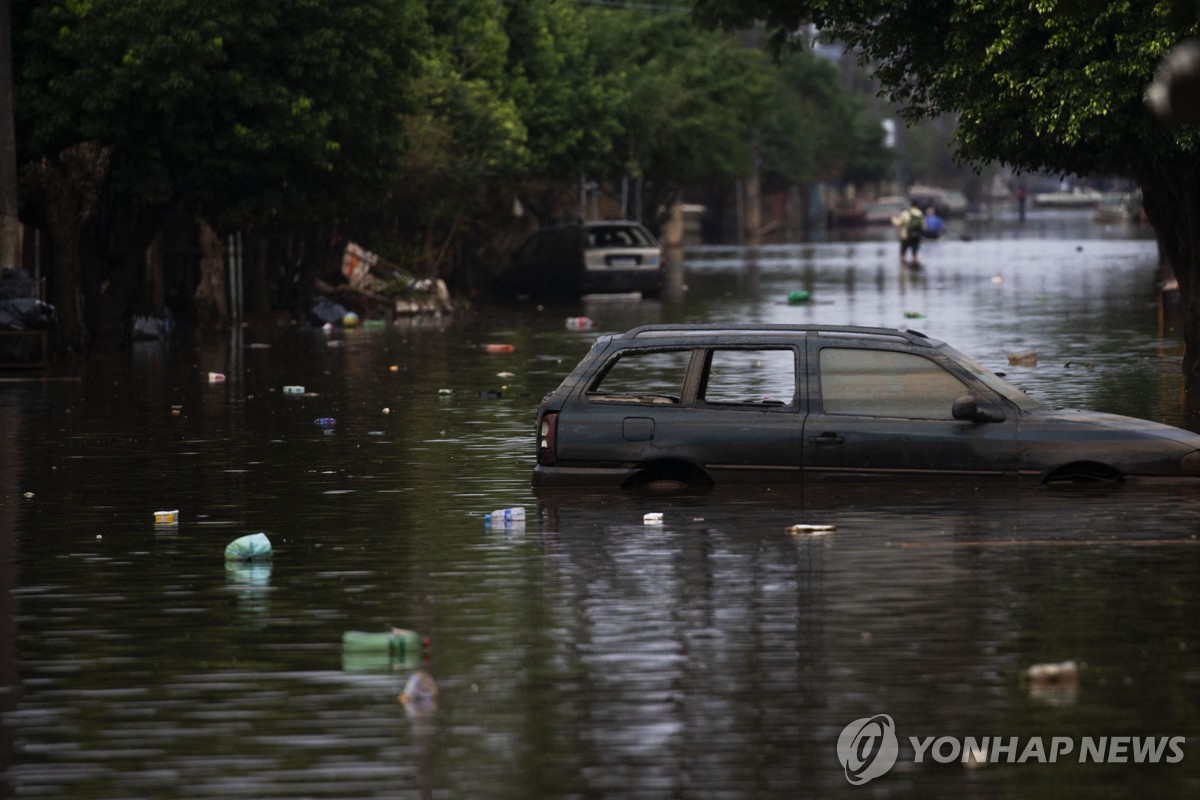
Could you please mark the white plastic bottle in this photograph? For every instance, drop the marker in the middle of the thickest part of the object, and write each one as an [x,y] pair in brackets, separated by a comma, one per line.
[505,516]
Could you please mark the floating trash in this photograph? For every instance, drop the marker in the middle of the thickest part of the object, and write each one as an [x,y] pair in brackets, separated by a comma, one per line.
[420,693]
[1062,673]
[397,644]
[1025,358]
[913,315]
[499,348]
[814,530]
[350,320]
[1053,684]
[166,519]
[490,394]
[255,547]
[325,422]
[293,390]
[653,518]
[505,516]
[798,296]
[216,377]
[579,324]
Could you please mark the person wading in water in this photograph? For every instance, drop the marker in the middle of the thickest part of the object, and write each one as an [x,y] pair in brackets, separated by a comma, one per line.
[911,223]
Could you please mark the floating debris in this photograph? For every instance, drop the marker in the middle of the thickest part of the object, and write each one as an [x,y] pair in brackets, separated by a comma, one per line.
[1025,358]
[255,547]
[420,693]
[811,530]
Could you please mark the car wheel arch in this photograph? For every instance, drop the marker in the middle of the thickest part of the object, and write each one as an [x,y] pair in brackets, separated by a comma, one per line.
[1083,472]
[669,473]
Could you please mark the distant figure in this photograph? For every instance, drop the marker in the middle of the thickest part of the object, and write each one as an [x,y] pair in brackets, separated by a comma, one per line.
[935,227]
[1022,197]
[911,223]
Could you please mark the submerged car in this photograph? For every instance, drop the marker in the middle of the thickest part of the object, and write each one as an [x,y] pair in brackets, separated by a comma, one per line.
[568,261]
[805,404]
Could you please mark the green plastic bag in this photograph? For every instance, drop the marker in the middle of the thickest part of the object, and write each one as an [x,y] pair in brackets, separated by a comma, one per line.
[255,547]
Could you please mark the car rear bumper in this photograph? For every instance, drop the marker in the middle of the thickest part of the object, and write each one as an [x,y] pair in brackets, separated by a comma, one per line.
[618,281]
[556,476]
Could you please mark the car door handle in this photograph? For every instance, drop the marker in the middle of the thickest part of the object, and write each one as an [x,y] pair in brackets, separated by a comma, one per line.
[829,437]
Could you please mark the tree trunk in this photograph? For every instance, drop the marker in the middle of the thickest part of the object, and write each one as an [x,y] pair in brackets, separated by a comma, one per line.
[212,311]
[68,191]
[10,226]
[1171,200]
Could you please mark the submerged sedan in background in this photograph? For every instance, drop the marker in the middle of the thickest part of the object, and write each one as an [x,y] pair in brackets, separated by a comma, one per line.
[809,404]
[568,261]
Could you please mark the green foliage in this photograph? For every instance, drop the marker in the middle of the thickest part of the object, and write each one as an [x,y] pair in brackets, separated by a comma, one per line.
[244,108]
[693,99]
[1049,84]
[816,132]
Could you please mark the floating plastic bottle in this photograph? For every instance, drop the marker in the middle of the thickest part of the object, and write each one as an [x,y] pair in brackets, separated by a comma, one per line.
[505,516]
[325,422]
[293,390]
[367,650]
[798,296]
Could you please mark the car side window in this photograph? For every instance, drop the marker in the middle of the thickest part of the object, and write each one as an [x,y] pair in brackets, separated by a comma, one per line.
[654,376]
[885,383]
[760,377]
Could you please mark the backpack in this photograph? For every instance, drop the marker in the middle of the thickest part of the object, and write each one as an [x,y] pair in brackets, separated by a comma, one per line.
[914,224]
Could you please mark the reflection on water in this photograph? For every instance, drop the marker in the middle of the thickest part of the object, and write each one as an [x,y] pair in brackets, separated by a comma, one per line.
[586,653]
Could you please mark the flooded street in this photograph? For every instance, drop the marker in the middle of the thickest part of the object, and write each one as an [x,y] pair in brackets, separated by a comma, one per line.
[586,654]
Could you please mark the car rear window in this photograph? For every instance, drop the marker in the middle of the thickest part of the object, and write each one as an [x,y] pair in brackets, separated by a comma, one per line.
[618,236]
[886,383]
[654,376]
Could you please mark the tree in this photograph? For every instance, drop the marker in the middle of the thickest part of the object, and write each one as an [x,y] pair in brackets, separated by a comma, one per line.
[245,113]
[9,222]
[1054,85]
[816,132]
[695,100]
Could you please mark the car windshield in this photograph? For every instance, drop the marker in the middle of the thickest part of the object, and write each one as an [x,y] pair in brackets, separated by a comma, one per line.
[618,236]
[992,380]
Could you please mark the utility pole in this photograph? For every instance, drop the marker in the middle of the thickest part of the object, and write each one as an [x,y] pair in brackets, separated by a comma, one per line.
[10,225]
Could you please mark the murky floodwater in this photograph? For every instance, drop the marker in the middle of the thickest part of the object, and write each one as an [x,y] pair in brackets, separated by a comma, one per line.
[587,654]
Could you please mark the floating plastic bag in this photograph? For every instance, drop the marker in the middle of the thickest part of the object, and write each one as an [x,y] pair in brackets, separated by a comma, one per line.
[255,547]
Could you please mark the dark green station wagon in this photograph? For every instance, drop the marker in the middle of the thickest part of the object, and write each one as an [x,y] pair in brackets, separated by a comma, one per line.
[806,404]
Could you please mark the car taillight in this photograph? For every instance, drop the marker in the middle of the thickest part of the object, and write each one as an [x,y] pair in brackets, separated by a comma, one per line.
[548,438]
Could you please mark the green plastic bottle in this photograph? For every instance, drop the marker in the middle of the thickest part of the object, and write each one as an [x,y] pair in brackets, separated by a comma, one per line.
[364,650]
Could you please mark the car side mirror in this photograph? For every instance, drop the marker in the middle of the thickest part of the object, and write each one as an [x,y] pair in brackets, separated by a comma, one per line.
[967,408]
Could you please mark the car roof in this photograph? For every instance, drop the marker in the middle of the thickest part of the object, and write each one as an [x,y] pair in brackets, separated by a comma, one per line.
[745,331]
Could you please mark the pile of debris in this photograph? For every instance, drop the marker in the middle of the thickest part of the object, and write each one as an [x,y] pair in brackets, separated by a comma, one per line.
[383,289]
